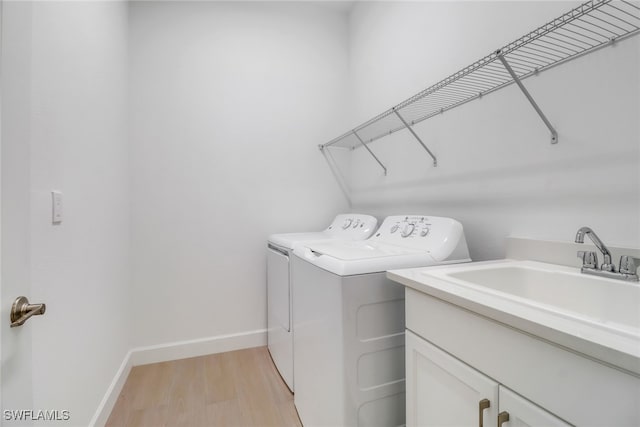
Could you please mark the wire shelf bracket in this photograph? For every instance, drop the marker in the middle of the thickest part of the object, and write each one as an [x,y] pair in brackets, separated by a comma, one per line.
[534,104]
[406,125]
[370,152]
[582,30]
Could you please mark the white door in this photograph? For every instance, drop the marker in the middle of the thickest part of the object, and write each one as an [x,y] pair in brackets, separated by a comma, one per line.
[15,343]
[443,391]
[522,413]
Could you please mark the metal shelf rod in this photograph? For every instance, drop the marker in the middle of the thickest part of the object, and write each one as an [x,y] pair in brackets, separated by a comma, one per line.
[554,134]
[435,161]
[370,152]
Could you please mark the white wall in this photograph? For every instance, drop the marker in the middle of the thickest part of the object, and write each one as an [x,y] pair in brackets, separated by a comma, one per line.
[228,103]
[78,145]
[497,172]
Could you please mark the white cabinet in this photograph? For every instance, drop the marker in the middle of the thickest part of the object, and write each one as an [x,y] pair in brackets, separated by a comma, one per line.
[444,391]
[569,385]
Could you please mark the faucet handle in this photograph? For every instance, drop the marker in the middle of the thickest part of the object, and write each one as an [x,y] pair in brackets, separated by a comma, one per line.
[629,264]
[589,259]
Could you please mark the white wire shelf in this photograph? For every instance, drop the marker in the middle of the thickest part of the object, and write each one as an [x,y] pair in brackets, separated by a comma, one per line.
[582,30]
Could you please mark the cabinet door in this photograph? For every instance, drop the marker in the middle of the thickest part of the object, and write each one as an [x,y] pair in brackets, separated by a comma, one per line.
[523,413]
[443,391]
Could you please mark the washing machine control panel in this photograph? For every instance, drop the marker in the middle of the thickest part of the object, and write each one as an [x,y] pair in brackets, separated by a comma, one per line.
[352,226]
[408,229]
[417,231]
[409,226]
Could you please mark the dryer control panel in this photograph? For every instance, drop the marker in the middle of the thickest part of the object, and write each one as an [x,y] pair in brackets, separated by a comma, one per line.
[352,226]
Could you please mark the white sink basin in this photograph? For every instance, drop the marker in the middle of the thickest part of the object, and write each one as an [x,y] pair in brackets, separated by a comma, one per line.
[564,290]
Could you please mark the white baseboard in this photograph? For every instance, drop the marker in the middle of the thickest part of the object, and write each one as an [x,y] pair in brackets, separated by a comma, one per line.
[173,351]
[109,400]
[199,347]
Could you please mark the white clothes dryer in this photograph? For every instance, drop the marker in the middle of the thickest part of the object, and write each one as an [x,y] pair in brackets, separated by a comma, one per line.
[349,319]
[279,318]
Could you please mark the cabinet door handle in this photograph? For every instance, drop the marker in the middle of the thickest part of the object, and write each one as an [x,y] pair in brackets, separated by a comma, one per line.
[482,405]
[503,417]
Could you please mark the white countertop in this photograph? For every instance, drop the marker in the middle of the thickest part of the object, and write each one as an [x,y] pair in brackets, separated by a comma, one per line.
[613,345]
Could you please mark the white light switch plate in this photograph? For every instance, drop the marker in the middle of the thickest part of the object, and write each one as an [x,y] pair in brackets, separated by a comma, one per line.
[56,200]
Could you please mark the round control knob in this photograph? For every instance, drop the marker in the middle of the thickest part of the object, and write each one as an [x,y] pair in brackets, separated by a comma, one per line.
[408,229]
[394,228]
[355,223]
[347,223]
[424,232]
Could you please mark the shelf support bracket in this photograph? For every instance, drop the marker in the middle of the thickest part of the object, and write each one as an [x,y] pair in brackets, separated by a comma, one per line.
[406,125]
[370,152]
[554,133]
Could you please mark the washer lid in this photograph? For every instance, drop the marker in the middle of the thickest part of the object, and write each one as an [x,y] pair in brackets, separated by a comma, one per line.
[367,249]
[351,258]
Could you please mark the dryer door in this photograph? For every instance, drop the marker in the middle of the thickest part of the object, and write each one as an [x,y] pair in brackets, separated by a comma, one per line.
[279,335]
[278,289]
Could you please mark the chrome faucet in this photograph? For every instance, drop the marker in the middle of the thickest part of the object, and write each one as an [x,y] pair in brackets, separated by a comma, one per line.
[606,263]
[628,264]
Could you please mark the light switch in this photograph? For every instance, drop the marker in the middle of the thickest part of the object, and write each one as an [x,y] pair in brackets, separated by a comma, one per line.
[56,199]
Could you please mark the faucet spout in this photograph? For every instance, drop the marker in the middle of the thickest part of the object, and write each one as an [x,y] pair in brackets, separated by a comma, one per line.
[606,264]
[580,234]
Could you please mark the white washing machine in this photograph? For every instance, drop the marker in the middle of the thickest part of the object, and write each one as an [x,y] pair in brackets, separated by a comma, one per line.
[279,247]
[349,319]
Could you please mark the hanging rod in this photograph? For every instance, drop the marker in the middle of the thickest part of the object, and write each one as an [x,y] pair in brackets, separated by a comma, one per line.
[582,30]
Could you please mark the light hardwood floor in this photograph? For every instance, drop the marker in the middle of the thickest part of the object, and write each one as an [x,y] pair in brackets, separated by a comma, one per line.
[238,388]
